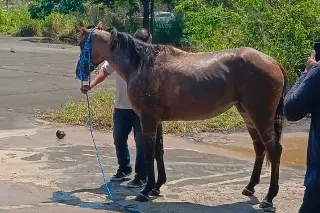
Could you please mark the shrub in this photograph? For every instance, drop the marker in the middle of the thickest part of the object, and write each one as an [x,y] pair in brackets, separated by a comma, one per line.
[284,32]
[41,8]
[68,6]
[58,25]
[17,21]
[33,28]
[102,104]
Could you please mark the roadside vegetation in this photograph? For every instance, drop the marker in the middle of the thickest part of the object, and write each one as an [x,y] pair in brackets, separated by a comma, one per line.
[75,113]
[283,29]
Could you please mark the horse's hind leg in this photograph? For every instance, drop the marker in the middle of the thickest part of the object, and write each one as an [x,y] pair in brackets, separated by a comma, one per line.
[274,151]
[259,151]
[159,152]
[263,119]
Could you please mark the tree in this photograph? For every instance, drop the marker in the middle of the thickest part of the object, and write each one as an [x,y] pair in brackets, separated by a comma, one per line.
[171,4]
[146,13]
[152,17]
[41,8]
[67,6]
[133,8]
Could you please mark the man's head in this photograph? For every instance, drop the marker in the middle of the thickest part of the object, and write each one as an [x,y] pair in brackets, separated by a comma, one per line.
[91,26]
[143,34]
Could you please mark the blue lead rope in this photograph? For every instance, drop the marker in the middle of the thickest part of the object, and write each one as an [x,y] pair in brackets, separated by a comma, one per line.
[128,208]
[80,74]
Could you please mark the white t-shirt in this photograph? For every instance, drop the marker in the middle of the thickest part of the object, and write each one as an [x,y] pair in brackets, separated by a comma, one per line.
[121,100]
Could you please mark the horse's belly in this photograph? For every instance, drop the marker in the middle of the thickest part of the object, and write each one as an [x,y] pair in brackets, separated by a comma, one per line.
[197,109]
[197,99]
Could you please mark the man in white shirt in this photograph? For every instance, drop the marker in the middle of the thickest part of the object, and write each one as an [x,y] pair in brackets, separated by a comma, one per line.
[125,119]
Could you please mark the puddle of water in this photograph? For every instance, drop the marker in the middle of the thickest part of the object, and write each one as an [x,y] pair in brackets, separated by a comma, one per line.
[35,157]
[60,196]
[293,154]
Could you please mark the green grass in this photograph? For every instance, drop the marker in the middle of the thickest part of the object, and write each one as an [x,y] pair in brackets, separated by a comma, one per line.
[75,113]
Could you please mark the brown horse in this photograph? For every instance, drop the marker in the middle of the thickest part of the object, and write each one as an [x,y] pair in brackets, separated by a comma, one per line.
[166,83]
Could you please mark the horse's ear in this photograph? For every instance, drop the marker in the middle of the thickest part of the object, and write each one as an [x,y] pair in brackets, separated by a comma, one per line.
[80,33]
[101,26]
[78,28]
[81,29]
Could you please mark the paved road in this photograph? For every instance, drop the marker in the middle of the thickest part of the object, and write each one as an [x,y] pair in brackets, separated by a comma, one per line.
[34,165]
[37,76]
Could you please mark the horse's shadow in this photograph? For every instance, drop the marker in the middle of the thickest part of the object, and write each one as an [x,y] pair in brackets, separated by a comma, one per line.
[68,198]
[187,207]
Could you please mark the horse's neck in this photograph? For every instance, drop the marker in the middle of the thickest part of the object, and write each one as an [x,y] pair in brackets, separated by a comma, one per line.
[122,64]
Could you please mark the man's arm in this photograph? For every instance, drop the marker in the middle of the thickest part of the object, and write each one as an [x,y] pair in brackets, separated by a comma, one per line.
[105,70]
[99,78]
[303,96]
[103,73]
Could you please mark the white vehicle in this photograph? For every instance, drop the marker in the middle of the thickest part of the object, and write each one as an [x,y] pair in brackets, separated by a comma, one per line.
[163,17]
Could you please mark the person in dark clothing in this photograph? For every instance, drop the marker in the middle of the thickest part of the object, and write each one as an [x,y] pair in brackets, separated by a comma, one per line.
[304,99]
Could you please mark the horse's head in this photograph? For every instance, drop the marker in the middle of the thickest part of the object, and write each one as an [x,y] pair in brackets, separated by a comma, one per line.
[95,44]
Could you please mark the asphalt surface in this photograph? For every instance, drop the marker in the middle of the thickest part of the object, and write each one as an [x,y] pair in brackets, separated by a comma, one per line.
[35,166]
[35,77]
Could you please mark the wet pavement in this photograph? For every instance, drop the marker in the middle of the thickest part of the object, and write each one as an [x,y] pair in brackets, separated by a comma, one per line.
[36,165]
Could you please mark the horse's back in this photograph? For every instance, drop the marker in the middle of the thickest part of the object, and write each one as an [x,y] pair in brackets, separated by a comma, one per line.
[192,86]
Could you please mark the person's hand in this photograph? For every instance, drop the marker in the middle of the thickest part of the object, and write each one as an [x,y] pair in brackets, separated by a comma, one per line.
[96,72]
[85,89]
[311,60]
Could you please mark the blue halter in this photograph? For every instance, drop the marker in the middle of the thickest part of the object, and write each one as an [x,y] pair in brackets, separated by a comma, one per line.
[85,57]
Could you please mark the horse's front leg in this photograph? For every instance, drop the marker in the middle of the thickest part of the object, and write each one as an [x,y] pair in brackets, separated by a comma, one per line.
[159,152]
[149,128]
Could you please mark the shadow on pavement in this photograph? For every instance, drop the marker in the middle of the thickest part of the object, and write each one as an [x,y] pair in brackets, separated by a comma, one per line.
[68,198]
[173,207]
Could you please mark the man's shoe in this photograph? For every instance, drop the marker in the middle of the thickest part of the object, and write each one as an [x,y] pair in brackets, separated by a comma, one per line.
[136,182]
[120,176]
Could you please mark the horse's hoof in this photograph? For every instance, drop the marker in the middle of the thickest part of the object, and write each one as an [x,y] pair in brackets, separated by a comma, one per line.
[141,198]
[155,192]
[267,206]
[247,192]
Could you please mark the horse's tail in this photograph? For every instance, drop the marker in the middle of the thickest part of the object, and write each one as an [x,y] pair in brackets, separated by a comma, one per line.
[279,116]
[279,120]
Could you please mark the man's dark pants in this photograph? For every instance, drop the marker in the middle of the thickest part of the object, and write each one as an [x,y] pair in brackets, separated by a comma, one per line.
[124,121]
[311,200]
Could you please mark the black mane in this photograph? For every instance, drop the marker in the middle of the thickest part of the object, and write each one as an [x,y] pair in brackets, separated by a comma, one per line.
[141,54]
